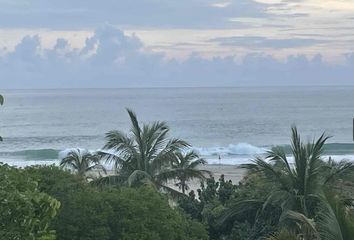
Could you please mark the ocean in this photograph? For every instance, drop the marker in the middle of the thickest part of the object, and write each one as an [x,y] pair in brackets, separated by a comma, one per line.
[38,126]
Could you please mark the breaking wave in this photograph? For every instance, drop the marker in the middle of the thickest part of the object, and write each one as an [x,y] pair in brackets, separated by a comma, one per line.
[232,150]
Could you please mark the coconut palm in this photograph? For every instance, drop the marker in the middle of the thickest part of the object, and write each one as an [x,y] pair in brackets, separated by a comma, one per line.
[81,161]
[185,167]
[144,154]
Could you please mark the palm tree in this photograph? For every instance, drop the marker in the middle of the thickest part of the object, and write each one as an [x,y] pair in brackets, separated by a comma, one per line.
[185,167]
[143,155]
[298,186]
[81,161]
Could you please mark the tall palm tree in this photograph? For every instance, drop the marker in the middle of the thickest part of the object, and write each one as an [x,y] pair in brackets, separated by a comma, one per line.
[143,155]
[81,161]
[185,167]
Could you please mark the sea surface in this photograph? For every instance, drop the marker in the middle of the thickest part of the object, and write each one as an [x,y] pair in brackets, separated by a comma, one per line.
[39,126]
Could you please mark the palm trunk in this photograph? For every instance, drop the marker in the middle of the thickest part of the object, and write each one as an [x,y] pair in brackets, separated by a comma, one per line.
[183,184]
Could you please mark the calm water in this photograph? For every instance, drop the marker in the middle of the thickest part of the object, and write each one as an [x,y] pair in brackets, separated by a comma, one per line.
[233,122]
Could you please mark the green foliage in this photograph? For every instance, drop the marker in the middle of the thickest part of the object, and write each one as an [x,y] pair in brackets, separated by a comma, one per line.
[296,188]
[112,213]
[144,214]
[284,235]
[191,206]
[296,185]
[146,156]
[81,162]
[248,231]
[278,195]
[25,211]
[216,198]
[335,219]
[184,167]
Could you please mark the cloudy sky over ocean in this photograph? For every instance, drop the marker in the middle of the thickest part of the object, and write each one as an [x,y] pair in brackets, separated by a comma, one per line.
[169,43]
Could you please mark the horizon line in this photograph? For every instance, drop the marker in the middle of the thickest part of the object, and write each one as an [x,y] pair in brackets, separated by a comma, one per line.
[175,87]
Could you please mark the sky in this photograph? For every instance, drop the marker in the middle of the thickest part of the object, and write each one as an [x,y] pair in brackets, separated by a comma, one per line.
[175,43]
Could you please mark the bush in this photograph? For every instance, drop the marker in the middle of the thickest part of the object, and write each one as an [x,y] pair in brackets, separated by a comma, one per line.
[112,213]
[25,211]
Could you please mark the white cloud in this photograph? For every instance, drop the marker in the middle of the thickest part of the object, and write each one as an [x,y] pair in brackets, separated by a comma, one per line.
[221,4]
[180,27]
[111,58]
[263,42]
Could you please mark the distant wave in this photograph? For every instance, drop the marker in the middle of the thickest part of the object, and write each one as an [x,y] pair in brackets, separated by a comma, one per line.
[248,149]
[331,149]
[231,149]
[32,154]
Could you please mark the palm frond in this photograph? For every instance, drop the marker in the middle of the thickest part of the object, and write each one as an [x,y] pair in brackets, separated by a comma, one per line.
[197,162]
[334,220]
[138,177]
[277,154]
[305,225]
[338,170]
[112,180]
[239,208]
[120,143]
[136,130]
[117,160]
[284,235]
[80,161]
[168,153]
[155,137]
[271,173]
[174,194]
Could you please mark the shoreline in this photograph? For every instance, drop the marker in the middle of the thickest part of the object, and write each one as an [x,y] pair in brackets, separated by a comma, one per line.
[230,172]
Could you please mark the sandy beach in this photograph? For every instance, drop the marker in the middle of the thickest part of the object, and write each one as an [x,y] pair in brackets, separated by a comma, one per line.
[231,172]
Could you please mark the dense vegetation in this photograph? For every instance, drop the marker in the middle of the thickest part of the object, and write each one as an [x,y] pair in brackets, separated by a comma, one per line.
[305,198]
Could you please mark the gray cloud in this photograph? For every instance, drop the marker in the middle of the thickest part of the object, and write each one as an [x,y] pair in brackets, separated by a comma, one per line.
[112,59]
[263,42]
[161,13]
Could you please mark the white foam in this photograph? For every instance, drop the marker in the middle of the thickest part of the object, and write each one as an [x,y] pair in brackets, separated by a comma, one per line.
[22,164]
[237,160]
[231,149]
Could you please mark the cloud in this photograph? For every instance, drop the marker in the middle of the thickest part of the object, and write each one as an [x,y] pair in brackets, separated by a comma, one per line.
[263,42]
[112,59]
[144,13]
[220,4]
[270,25]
